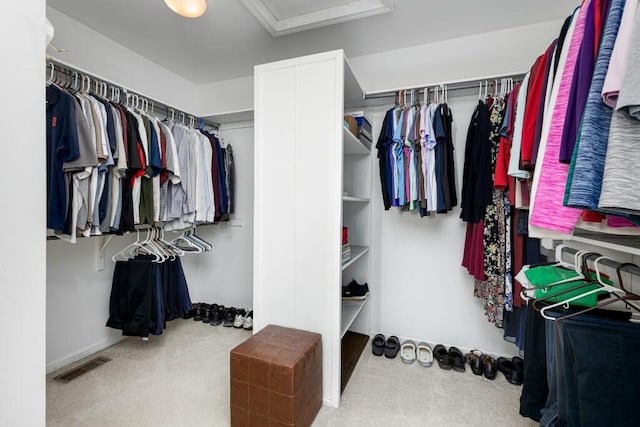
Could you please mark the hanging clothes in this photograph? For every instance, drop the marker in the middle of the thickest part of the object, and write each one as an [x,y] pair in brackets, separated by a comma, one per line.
[416,159]
[112,167]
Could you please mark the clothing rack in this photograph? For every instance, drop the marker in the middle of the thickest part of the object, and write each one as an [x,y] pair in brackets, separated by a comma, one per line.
[78,77]
[607,262]
[451,85]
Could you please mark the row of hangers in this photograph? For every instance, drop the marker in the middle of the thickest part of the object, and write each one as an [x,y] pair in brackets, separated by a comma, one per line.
[501,88]
[162,250]
[73,80]
[583,279]
[438,94]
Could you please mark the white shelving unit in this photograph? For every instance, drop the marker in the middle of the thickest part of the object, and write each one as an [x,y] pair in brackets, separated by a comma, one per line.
[350,311]
[303,166]
[356,253]
[628,244]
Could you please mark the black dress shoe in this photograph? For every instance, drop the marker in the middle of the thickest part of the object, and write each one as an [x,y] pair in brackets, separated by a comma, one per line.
[519,364]
[511,373]
[200,312]
[474,359]
[442,357]
[489,367]
[457,359]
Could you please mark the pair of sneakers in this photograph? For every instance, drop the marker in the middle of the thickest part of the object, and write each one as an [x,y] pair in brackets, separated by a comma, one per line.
[243,319]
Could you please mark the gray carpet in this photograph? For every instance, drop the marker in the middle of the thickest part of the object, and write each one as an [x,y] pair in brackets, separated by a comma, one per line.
[182,379]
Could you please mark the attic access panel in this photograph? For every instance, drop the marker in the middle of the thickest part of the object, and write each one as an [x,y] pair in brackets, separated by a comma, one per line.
[282,17]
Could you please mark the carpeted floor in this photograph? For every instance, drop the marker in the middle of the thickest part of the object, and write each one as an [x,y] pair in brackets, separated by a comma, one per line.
[182,379]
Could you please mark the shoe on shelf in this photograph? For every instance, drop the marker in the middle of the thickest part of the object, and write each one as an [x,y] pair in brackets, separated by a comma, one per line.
[457,359]
[442,357]
[408,352]
[229,318]
[355,291]
[377,345]
[248,321]
[511,373]
[424,354]
[239,320]
[474,360]
[392,347]
[200,311]
[489,367]
[218,316]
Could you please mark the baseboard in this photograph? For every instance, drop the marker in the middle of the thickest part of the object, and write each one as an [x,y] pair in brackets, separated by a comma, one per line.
[88,351]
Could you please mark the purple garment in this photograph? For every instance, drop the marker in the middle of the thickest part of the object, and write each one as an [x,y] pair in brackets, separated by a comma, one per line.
[581,82]
[543,95]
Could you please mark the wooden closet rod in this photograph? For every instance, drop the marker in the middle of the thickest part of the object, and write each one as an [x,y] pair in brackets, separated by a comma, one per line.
[451,85]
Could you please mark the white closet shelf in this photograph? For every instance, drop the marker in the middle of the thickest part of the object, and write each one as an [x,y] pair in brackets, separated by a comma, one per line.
[350,310]
[353,145]
[355,199]
[628,244]
[356,253]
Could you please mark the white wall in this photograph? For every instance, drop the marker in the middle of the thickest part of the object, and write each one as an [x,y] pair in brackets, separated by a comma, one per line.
[500,52]
[78,295]
[419,289]
[97,54]
[225,275]
[22,191]
[78,299]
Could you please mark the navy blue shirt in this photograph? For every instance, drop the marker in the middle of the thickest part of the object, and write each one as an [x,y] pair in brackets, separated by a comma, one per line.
[62,146]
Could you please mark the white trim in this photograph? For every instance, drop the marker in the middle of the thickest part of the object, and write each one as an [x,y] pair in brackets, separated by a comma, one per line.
[87,351]
[353,10]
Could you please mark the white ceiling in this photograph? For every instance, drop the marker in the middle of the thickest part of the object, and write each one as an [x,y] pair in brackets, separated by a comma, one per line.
[228,40]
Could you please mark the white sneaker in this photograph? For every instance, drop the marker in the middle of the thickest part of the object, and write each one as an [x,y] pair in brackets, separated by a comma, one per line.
[239,320]
[248,321]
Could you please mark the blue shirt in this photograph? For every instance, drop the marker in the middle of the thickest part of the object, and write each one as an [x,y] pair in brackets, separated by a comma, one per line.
[62,146]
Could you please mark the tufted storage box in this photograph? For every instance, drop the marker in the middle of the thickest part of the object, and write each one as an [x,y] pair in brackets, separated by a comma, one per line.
[276,378]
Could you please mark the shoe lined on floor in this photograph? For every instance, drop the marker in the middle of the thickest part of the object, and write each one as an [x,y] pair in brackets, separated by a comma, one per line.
[209,312]
[511,373]
[191,312]
[239,320]
[230,317]
[218,316]
[474,360]
[442,357]
[489,367]
[424,354]
[200,312]
[457,359]
[408,352]
[519,364]
[248,321]
[392,347]
[377,345]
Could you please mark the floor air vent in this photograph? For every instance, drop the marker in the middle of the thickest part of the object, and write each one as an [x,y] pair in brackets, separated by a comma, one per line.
[82,369]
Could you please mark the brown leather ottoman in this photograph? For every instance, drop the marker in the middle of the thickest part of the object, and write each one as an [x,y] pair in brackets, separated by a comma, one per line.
[276,378]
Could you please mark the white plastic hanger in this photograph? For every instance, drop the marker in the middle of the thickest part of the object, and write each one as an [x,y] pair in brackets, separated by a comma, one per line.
[603,288]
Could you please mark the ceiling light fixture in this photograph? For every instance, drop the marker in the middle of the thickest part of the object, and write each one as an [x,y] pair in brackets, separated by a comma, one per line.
[188,8]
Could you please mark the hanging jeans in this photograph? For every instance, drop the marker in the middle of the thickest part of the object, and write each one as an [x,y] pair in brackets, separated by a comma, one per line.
[596,373]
